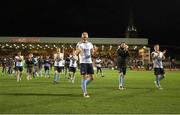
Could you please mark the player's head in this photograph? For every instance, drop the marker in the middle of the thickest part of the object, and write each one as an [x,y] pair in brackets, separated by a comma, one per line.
[156,47]
[72,51]
[123,45]
[19,53]
[84,36]
[47,57]
[58,50]
[30,55]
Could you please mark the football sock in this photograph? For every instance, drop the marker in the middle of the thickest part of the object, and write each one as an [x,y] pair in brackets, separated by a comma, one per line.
[82,85]
[161,77]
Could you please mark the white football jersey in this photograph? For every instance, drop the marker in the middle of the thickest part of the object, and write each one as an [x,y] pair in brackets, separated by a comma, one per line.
[157,59]
[59,55]
[19,61]
[73,61]
[58,60]
[98,62]
[85,54]
[59,63]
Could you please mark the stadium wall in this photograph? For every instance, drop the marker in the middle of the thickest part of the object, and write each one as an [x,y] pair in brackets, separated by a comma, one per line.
[73,40]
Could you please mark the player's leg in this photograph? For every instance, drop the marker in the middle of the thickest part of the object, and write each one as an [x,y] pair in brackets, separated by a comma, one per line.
[3,71]
[15,72]
[45,71]
[120,80]
[21,70]
[158,82]
[101,72]
[89,77]
[97,70]
[123,79]
[73,75]
[162,75]
[8,71]
[83,71]
[83,85]
[122,73]
[157,76]
[120,77]
[66,71]
[18,74]
[31,73]
[70,74]
[55,75]
[58,74]
[40,71]
[28,73]
[37,71]
[90,72]
[48,72]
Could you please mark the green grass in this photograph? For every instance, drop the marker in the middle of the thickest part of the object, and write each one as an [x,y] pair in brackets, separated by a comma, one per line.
[41,96]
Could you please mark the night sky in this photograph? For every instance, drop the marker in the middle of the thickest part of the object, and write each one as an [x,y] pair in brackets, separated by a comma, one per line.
[157,20]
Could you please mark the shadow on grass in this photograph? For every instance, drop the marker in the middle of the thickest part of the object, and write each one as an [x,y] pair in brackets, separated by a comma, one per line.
[40,94]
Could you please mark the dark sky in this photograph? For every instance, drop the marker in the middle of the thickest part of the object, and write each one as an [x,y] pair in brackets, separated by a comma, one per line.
[158,20]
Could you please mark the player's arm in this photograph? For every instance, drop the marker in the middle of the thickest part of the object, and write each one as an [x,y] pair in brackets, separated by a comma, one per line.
[154,55]
[17,59]
[78,50]
[126,47]
[94,50]
[76,57]
[20,59]
[163,57]
[54,56]
[61,55]
[126,50]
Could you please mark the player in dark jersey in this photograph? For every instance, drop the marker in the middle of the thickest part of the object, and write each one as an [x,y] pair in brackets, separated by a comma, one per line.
[29,64]
[122,56]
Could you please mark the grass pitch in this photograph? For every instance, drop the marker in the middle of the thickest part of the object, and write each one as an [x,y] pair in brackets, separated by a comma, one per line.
[141,96]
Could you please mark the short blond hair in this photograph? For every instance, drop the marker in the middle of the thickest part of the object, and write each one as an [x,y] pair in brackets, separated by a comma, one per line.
[58,49]
[84,33]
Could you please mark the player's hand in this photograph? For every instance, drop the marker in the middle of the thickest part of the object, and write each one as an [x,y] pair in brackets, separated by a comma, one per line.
[77,51]
[164,52]
[126,47]
[95,48]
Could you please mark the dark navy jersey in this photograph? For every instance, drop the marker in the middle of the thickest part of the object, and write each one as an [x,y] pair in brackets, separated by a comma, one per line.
[29,63]
[47,62]
[122,56]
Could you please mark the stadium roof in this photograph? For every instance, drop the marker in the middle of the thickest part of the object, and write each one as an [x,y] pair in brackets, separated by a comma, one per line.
[69,40]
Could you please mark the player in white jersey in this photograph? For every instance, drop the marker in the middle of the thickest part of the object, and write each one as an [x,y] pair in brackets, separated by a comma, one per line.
[85,49]
[58,65]
[98,66]
[72,66]
[19,66]
[157,57]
